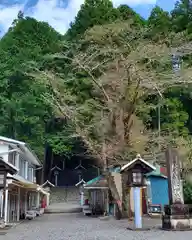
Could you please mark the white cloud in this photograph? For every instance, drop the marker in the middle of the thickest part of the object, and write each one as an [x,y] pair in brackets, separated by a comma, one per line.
[57,17]
[133,2]
[51,12]
[8,14]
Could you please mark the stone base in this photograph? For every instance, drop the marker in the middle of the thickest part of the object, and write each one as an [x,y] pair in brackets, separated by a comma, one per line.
[139,229]
[63,208]
[177,223]
[177,216]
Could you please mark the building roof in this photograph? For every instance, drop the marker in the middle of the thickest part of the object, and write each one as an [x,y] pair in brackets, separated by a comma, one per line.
[19,178]
[159,172]
[138,158]
[80,182]
[25,150]
[47,183]
[97,183]
[10,168]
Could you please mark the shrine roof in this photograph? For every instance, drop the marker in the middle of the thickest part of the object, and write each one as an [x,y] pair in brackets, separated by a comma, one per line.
[97,183]
[138,159]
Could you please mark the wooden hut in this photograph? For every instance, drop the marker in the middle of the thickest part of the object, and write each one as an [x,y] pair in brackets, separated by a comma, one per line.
[97,189]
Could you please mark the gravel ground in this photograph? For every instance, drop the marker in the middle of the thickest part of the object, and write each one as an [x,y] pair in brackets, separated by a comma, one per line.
[78,227]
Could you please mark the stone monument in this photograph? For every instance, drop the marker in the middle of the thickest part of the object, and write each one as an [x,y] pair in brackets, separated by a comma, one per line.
[174,177]
[177,215]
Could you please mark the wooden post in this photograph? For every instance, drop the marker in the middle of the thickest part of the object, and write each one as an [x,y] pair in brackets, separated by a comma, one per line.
[4,190]
[25,202]
[18,204]
[107,201]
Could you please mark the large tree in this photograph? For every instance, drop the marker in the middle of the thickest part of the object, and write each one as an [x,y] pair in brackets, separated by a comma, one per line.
[159,23]
[120,66]
[92,12]
[182,15]
[24,113]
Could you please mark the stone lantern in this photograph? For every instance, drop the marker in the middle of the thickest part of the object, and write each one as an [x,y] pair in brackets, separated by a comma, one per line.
[56,170]
[136,170]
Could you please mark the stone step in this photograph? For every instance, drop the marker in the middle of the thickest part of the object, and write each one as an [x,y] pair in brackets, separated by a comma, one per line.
[63,208]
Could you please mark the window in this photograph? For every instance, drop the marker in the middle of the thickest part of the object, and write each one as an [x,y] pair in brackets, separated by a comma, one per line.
[137,177]
[30,174]
[34,175]
[11,157]
[21,167]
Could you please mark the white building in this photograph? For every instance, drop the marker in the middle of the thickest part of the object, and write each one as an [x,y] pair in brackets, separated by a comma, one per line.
[22,193]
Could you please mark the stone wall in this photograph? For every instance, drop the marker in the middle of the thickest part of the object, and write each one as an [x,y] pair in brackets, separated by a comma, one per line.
[61,194]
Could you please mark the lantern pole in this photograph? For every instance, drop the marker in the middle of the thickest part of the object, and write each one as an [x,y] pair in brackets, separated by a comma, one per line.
[137,201]
[137,207]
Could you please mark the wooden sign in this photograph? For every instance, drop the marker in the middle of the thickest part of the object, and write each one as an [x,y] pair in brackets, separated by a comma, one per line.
[174,177]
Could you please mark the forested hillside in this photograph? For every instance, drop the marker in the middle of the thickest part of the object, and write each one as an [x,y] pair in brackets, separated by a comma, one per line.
[110,80]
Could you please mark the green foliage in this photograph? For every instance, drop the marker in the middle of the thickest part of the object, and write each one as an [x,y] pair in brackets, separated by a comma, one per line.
[22,108]
[99,12]
[174,118]
[187,190]
[92,12]
[182,15]
[60,137]
[159,22]
[127,13]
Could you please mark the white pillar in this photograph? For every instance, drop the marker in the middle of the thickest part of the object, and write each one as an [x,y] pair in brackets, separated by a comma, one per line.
[137,207]
[82,198]
[48,196]
[38,199]
[6,206]
[1,200]
[18,204]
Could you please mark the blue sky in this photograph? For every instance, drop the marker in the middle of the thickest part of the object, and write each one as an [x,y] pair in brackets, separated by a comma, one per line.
[59,13]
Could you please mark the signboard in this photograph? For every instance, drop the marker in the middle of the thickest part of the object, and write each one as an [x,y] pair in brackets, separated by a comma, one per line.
[152,208]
